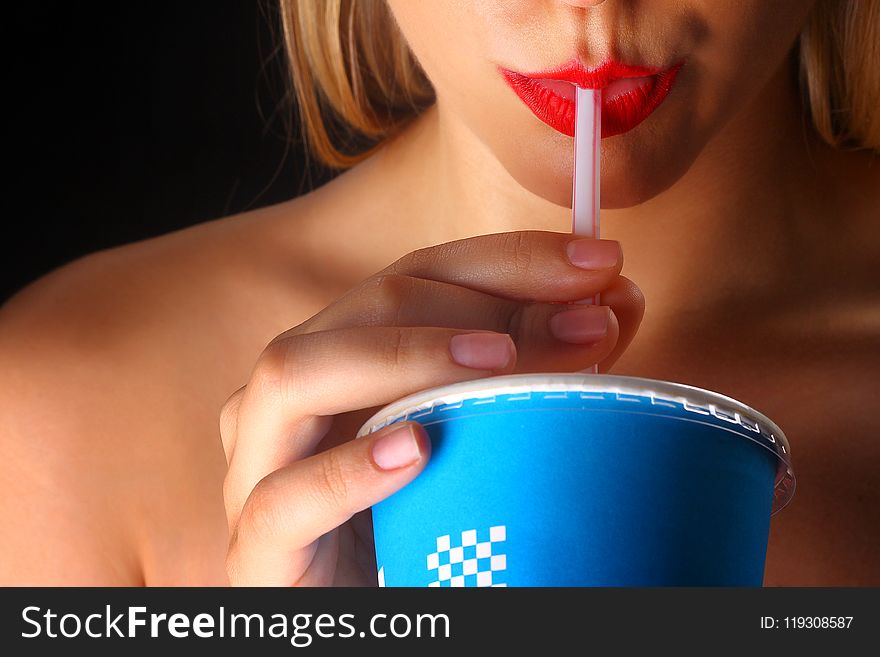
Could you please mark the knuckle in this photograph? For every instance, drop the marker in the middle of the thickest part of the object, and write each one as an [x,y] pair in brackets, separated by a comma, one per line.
[514,319]
[397,349]
[519,251]
[282,369]
[260,516]
[417,261]
[389,296]
[269,372]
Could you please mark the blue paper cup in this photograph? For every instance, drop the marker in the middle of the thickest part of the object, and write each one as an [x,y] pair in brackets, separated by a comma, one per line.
[582,480]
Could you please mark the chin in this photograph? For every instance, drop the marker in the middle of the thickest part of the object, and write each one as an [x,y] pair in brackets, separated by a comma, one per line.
[636,166]
[629,178]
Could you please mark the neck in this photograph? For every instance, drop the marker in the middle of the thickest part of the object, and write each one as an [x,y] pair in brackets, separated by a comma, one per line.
[732,230]
[737,229]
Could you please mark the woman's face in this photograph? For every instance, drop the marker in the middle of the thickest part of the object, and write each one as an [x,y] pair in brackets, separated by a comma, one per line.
[688,66]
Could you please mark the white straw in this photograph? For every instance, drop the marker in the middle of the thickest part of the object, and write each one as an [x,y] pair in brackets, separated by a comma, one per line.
[585,179]
[585,187]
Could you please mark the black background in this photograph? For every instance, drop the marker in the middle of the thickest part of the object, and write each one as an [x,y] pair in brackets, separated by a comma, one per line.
[132,119]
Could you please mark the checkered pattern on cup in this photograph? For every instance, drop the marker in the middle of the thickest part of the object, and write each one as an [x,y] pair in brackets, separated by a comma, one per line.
[470,561]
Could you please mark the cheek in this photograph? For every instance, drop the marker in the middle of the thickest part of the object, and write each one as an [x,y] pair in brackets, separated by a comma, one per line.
[537,157]
[747,44]
[425,27]
[451,42]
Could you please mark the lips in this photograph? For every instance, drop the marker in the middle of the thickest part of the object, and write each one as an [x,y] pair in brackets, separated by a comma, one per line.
[629,93]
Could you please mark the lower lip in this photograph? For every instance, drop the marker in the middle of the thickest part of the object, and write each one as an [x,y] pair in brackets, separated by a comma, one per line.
[625,102]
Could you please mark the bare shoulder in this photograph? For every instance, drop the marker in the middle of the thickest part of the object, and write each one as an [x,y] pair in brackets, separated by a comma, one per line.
[116,367]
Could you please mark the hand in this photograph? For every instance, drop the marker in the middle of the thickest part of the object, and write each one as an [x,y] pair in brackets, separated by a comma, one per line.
[298,485]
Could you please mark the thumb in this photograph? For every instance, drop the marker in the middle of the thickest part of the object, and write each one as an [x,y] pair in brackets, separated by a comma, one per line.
[291,508]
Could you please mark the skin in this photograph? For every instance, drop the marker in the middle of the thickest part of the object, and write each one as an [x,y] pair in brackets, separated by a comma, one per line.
[751,252]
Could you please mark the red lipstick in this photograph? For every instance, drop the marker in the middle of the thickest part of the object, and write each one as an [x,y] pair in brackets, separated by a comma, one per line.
[629,93]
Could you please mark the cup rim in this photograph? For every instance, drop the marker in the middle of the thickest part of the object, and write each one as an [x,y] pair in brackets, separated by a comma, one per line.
[691,398]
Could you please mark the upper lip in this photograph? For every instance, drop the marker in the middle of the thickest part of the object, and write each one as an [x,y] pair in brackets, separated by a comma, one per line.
[593,78]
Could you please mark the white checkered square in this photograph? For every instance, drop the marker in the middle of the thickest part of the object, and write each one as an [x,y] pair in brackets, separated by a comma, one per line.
[484,565]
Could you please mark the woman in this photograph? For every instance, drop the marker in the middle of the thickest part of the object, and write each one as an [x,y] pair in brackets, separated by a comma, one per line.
[738,177]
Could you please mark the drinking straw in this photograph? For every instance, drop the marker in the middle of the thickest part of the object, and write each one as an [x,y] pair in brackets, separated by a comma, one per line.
[585,179]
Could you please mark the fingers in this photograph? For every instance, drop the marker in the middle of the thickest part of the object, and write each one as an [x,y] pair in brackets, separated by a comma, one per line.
[301,382]
[569,339]
[398,300]
[275,540]
[628,304]
[544,333]
[541,333]
[437,316]
[435,287]
[526,265]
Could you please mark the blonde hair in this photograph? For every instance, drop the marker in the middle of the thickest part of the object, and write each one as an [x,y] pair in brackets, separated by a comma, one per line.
[840,71]
[354,76]
[357,83]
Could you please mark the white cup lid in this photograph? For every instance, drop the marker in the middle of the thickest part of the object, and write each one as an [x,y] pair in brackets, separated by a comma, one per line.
[699,401]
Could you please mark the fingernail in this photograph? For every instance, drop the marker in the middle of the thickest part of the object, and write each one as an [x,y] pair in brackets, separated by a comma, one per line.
[483,351]
[594,254]
[396,449]
[580,325]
